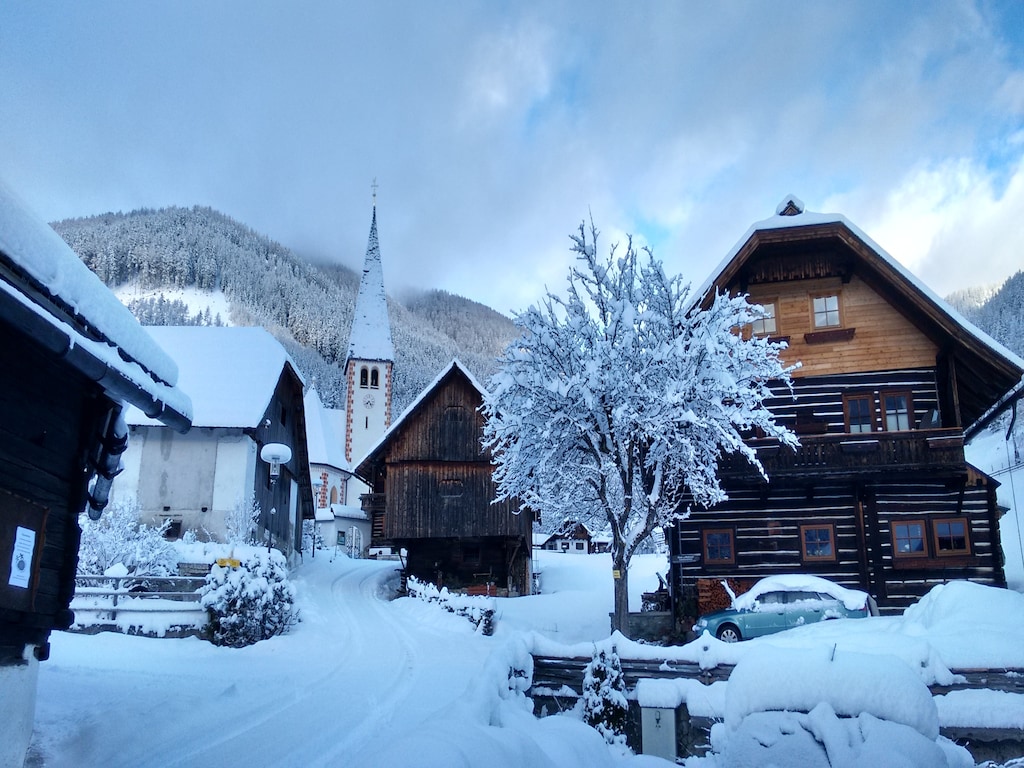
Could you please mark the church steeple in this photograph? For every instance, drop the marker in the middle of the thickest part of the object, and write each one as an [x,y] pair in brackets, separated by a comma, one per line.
[370,358]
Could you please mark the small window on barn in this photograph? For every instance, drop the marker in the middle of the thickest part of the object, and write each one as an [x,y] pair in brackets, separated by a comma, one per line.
[455,414]
[897,412]
[767,325]
[719,548]
[859,413]
[451,488]
[364,377]
[374,379]
[580,545]
[826,311]
[817,542]
[908,539]
[950,536]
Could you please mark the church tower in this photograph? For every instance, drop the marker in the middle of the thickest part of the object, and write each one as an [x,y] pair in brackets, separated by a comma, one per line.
[370,358]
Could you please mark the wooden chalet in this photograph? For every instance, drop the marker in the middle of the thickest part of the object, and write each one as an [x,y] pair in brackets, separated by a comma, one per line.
[432,494]
[71,357]
[879,495]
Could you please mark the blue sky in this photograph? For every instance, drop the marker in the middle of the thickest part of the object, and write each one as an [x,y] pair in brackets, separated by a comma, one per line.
[494,128]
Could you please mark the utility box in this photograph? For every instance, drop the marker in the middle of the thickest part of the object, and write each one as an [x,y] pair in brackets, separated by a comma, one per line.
[658,732]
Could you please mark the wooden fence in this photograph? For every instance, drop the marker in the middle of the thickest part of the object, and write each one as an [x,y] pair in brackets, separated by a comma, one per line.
[105,602]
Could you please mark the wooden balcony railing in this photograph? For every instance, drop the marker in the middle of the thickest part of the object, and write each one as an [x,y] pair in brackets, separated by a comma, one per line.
[932,449]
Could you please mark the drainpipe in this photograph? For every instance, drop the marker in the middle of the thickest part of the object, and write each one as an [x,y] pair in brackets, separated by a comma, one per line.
[107,464]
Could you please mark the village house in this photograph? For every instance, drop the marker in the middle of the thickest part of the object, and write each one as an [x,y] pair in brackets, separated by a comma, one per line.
[340,524]
[246,394]
[71,357]
[432,494]
[891,382]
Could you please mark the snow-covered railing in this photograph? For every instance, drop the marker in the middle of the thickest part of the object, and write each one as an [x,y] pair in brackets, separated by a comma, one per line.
[145,604]
[478,609]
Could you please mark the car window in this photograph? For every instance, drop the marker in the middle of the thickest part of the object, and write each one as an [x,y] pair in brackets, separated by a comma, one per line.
[770,599]
[798,597]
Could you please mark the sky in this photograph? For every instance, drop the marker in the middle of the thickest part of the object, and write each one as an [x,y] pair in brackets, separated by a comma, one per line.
[493,129]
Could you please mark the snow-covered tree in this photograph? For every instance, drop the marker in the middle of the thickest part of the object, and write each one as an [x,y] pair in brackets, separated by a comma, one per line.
[604,697]
[119,538]
[616,402]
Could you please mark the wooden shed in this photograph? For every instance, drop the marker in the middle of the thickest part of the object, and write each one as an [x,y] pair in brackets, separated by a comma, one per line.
[71,357]
[878,496]
[432,494]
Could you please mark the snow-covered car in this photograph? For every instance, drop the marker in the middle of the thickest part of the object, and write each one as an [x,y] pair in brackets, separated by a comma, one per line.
[776,603]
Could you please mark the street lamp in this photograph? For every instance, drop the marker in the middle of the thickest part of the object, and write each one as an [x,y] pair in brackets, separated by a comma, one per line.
[275,454]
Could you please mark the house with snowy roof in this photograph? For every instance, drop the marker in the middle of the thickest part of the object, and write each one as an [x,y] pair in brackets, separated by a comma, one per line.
[340,520]
[246,394]
[433,494]
[878,496]
[72,357]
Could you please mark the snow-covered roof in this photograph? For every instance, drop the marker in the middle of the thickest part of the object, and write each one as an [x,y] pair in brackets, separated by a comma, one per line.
[370,338]
[324,437]
[348,512]
[54,290]
[790,214]
[453,365]
[231,372]
[540,539]
[323,515]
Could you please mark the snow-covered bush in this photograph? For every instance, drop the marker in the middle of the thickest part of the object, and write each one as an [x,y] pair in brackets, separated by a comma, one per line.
[604,697]
[478,609]
[311,537]
[252,602]
[119,537]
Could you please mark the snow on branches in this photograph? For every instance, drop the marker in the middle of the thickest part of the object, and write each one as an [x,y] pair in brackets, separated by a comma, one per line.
[616,402]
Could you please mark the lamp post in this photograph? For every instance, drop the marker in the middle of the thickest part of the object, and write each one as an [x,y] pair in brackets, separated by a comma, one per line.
[275,454]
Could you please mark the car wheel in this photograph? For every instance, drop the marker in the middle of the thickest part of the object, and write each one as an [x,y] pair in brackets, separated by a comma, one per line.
[728,633]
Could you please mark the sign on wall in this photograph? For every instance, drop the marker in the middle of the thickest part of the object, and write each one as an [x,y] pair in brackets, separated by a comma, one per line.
[22,527]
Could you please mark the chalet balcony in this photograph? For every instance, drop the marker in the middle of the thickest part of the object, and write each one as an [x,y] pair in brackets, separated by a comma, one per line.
[932,450]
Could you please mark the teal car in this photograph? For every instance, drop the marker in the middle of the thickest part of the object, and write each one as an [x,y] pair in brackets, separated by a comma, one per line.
[777,603]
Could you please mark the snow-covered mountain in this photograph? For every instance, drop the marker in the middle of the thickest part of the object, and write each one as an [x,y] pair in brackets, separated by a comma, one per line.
[179,266]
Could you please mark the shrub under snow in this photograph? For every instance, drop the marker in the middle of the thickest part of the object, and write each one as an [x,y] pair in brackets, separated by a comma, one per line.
[252,602]
[119,538]
[478,609]
[604,697]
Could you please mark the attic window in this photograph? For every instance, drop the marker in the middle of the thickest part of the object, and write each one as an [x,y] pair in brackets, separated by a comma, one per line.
[826,311]
[766,326]
[451,488]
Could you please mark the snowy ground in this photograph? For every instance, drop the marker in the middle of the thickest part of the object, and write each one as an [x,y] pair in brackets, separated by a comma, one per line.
[364,681]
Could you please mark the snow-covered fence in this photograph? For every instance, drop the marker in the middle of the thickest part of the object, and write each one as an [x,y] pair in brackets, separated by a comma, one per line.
[139,604]
[479,610]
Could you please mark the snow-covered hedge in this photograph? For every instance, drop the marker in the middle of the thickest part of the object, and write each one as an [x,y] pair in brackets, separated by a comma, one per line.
[252,602]
[478,609]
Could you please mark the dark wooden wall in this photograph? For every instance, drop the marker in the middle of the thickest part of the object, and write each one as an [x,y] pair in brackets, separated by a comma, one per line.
[49,416]
[438,476]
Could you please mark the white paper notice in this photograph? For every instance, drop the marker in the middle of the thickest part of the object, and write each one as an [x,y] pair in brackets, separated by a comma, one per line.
[21,558]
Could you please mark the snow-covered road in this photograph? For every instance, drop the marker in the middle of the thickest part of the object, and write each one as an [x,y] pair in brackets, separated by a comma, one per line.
[345,682]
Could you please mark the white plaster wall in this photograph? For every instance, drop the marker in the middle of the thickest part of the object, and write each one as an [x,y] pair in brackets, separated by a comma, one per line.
[234,478]
[17,709]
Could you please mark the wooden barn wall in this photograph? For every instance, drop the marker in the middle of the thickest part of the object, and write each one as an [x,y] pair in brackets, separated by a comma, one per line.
[883,334]
[48,418]
[437,499]
[446,427]
[818,401]
[767,538]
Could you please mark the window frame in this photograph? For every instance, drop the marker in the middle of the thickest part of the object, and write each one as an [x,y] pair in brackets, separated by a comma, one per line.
[705,552]
[840,321]
[925,529]
[872,416]
[951,552]
[375,378]
[772,303]
[809,558]
[364,377]
[883,412]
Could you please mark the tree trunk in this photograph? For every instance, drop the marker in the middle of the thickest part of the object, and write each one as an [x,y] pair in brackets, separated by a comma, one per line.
[620,615]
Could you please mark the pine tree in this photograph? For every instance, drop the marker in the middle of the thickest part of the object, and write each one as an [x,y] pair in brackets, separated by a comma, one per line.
[604,697]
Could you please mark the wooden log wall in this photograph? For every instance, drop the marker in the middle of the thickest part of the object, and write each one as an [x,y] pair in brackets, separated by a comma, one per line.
[49,416]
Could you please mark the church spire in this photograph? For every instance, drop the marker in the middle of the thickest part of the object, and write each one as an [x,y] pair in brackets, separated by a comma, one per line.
[370,338]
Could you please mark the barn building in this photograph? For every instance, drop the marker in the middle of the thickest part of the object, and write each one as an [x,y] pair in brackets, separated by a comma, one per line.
[72,356]
[432,494]
[879,495]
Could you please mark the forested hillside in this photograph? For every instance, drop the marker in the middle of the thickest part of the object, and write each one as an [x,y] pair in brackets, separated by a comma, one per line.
[1000,313]
[307,306]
